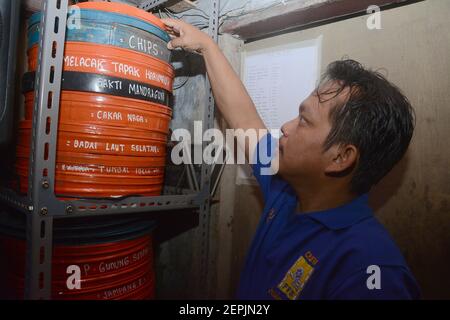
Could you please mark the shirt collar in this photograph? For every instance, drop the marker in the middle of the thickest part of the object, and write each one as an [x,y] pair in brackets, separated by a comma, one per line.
[344,216]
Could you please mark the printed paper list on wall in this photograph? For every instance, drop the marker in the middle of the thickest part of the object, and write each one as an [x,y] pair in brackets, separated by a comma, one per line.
[278,79]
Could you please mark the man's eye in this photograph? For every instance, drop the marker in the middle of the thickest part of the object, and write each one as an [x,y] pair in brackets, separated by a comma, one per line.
[302,120]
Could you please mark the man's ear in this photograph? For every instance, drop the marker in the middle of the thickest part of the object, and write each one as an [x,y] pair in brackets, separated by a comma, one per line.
[343,158]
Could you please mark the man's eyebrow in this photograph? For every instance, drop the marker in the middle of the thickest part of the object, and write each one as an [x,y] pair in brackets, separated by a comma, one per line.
[329,94]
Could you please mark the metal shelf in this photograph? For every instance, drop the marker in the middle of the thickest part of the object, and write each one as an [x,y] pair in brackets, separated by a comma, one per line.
[150,4]
[41,205]
[83,207]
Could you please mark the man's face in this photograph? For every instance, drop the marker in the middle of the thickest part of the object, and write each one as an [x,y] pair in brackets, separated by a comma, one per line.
[301,153]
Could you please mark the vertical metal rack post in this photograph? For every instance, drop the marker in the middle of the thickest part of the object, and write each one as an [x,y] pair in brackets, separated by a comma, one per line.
[208,123]
[39,231]
[41,205]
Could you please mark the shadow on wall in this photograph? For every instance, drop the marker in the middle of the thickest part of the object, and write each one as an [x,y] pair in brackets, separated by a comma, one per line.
[418,222]
[389,185]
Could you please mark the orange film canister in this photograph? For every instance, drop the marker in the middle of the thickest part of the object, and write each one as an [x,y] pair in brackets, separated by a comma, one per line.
[111,269]
[134,166]
[112,61]
[114,290]
[87,108]
[85,188]
[99,178]
[105,131]
[71,138]
[125,10]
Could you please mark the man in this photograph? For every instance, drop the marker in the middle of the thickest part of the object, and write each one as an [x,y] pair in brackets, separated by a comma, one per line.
[318,238]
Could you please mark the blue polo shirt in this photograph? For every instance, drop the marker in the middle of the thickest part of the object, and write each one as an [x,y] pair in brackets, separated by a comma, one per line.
[340,253]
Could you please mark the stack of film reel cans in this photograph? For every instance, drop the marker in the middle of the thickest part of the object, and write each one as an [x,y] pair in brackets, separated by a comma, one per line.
[115,103]
[114,259]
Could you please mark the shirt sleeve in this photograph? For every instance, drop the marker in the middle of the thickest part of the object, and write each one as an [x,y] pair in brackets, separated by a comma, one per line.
[396,283]
[262,161]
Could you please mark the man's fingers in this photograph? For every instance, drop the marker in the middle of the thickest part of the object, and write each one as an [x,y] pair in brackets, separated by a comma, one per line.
[175,43]
[172,33]
[172,24]
[169,22]
[177,31]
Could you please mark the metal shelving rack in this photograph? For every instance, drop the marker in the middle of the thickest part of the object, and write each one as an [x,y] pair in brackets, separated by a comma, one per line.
[41,205]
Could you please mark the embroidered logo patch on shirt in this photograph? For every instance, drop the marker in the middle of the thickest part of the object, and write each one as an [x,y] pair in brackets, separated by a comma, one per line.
[296,278]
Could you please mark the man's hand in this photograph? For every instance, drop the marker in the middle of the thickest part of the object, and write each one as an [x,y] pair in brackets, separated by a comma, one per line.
[186,36]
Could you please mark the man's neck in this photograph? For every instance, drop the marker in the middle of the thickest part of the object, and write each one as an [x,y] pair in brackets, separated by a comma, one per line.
[321,198]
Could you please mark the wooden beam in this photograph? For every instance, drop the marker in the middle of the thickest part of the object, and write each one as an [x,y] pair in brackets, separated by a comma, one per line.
[300,15]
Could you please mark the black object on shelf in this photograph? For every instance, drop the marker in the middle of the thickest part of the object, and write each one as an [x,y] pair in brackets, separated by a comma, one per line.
[9,26]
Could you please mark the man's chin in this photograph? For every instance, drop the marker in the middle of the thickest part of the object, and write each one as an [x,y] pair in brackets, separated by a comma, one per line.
[285,172]
[281,172]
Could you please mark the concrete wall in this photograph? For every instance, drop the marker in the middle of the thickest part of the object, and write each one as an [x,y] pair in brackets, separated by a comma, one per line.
[413,201]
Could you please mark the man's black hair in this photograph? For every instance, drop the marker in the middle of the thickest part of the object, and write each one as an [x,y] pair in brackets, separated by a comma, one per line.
[377,119]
